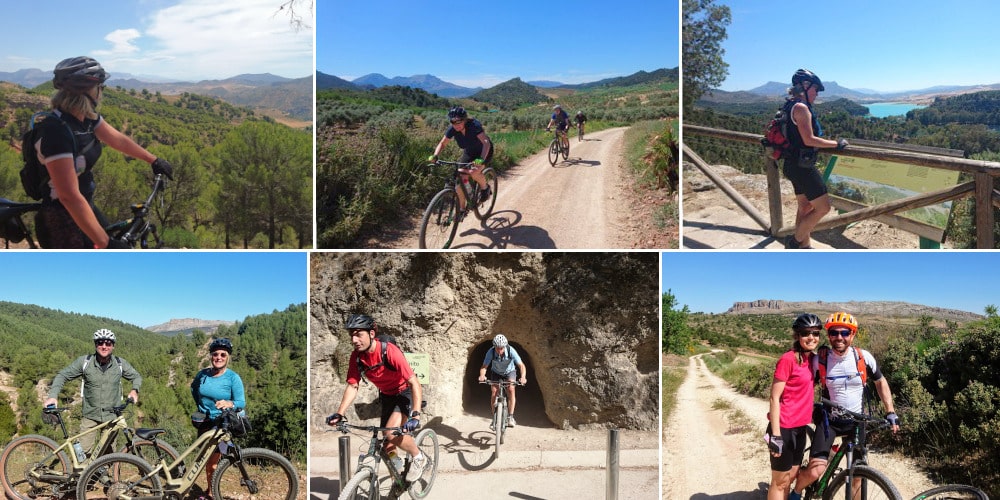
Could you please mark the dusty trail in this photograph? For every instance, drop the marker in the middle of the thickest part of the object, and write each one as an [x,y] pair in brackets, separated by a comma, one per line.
[703,460]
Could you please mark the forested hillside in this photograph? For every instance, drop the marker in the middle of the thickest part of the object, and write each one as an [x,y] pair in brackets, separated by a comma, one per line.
[963,122]
[372,145]
[269,355]
[240,180]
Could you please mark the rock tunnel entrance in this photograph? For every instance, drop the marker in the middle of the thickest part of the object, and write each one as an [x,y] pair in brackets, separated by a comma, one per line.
[530,409]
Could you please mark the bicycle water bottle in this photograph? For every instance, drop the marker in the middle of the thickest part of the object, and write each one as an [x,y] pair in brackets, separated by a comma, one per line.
[466,188]
[78,448]
[397,462]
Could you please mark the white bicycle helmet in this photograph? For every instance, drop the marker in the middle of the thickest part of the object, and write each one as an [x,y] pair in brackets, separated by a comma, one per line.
[500,341]
[104,334]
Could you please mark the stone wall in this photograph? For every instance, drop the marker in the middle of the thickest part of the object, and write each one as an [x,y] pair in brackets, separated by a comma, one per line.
[588,323]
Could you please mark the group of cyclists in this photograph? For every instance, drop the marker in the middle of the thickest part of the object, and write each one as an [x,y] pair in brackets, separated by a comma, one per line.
[214,388]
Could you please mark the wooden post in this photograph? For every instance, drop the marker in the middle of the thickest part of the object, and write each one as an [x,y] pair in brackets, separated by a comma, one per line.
[984,210]
[774,196]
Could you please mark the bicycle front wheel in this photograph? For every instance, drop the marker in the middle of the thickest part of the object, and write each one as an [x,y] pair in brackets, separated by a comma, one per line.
[439,224]
[554,152]
[27,454]
[427,441]
[362,486]
[268,476]
[484,209]
[565,151]
[953,492]
[118,475]
[873,485]
[497,429]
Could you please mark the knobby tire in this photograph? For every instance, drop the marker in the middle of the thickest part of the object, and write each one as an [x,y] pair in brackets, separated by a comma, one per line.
[360,487]
[484,209]
[554,151]
[565,151]
[877,485]
[118,475]
[953,492]
[438,226]
[427,441]
[270,476]
[24,453]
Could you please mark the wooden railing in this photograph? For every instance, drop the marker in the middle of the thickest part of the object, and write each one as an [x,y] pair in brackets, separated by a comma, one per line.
[981,187]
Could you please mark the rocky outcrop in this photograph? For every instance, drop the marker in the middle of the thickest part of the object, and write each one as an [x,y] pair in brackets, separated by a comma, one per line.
[586,324]
[880,308]
[188,324]
[757,305]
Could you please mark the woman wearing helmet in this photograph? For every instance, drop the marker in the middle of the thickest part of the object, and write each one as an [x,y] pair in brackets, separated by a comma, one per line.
[800,161]
[500,362]
[68,217]
[791,405]
[476,147]
[561,120]
[214,389]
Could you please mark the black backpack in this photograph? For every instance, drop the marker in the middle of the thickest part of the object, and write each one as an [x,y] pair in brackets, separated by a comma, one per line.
[384,340]
[34,175]
[776,132]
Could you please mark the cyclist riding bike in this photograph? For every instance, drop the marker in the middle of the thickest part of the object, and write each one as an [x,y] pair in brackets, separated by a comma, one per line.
[843,371]
[399,389]
[499,365]
[561,120]
[102,374]
[68,146]
[476,148]
[580,119]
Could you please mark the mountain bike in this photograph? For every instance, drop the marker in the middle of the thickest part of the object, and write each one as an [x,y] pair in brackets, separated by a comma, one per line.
[365,482]
[556,148]
[135,230]
[252,473]
[952,492]
[836,482]
[579,131]
[499,421]
[443,214]
[34,466]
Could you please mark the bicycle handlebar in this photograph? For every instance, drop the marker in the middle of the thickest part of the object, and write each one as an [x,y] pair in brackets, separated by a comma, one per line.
[857,417]
[344,427]
[501,382]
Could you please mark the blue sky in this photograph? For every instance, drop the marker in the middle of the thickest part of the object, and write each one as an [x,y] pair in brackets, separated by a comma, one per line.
[886,45]
[713,281]
[486,43]
[150,288]
[186,40]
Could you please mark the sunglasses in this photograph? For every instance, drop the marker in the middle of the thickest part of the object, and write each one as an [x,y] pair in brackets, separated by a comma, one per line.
[809,333]
[839,333]
[456,122]
[103,342]
[220,354]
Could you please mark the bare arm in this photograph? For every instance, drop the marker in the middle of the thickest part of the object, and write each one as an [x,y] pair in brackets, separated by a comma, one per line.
[417,391]
[803,121]
[486,145]
[350,393]
[885,394]
[777,387]
[441,144]
[112,137]
[67,186]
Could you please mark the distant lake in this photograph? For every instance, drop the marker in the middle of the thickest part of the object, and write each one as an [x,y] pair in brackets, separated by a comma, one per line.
[884,109]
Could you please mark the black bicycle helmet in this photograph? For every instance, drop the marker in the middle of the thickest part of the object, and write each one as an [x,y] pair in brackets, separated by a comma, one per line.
[806,320]
[360,321]
[78,73]
[457,112]
[804,75]
[223,344]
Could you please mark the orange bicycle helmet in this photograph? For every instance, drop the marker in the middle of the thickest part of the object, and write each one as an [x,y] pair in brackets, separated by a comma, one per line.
[843,320]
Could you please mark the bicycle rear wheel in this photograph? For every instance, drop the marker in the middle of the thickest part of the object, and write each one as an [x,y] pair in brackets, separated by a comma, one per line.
[427,441]
[565,151]
[554,152]
[874,486]
[439,224]
[484,209]
[118,475]
[579,132]
[269,476]
[27,453]
[953,492]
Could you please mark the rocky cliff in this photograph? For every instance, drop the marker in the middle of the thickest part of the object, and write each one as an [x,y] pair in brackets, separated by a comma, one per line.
[585,324]
[879,308]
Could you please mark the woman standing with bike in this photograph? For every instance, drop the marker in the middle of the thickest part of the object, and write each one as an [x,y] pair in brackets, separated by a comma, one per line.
[791,405]
[215,388]
[476,147]
[68,145]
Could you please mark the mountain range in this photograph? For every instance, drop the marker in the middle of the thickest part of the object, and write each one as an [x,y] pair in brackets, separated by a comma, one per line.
[771,91]
[883,309]
[187,325]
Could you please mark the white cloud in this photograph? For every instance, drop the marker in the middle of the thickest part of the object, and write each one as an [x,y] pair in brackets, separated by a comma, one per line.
[194,40]
[121,42]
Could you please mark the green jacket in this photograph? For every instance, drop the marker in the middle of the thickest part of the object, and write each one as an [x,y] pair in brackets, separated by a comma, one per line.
[102,386]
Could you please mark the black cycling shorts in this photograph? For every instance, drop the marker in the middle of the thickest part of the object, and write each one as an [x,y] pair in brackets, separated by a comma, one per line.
[806,180]
[793,449]
[401,403]
[827,429]
[467,157]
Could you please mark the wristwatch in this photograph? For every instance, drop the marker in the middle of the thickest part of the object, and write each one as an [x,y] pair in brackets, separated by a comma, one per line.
[414,414]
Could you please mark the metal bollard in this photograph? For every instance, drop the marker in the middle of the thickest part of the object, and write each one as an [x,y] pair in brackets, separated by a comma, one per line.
[344,443]
[612,491]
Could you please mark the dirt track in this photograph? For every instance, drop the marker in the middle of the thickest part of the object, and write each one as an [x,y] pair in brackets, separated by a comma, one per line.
[702,459]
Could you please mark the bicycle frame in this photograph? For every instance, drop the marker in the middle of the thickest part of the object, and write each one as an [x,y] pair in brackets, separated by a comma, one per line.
[376,452]
[854,441]
[202,448]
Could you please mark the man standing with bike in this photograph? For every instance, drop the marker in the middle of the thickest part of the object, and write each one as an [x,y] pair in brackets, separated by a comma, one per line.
[102,384]
[383,364]
[476,148]
[843,371]
[561,120]
[500,362]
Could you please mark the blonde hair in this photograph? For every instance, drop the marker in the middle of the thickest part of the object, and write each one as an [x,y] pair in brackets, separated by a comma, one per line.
[76,102]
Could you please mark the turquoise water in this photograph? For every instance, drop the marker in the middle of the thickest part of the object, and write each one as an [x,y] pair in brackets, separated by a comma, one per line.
[884,109]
